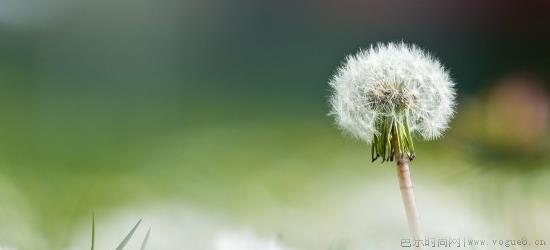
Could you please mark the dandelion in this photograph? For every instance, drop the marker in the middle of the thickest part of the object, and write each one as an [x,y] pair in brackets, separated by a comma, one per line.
[387,94]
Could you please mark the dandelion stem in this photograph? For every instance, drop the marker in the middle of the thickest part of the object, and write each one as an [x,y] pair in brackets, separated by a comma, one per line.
[407,194]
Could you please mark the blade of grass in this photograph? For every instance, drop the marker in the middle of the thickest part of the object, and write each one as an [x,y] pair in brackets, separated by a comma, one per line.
[144,243]
[128,236]
[93,231]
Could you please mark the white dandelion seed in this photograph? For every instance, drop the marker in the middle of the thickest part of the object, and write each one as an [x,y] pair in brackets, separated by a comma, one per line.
[384,95]
[392,90]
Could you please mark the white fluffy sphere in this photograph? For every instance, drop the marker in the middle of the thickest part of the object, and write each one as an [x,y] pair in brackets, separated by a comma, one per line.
[389,80]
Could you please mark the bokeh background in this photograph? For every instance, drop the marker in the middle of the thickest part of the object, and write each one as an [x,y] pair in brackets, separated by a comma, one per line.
[208,119]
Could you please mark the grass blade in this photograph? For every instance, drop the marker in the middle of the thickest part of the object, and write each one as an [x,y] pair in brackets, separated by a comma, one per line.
[128,236]
[93,231]
[144,243]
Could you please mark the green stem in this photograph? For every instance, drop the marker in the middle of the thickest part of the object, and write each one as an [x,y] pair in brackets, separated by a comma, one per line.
[393,140]
[389,152]
[409,137]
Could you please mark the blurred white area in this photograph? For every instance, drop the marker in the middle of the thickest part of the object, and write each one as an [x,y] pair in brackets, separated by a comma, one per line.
[356,217]
[172,227]
[16,225]
[245,240]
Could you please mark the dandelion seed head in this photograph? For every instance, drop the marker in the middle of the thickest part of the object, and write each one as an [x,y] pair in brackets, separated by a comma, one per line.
[388,81]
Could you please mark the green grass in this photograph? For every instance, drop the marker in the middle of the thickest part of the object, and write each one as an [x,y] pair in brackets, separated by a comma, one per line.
[126,239]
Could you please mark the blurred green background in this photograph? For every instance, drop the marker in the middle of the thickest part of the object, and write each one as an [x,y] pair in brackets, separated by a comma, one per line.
[179,110]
